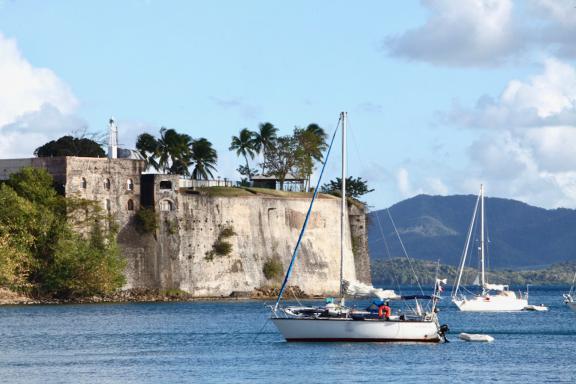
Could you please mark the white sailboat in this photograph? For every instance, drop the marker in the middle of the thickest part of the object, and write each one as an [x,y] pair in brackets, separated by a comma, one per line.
[334,321]
[569,298]
[494,297]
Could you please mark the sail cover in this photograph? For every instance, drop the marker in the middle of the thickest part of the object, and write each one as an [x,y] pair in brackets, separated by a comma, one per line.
[356,288]
[495,287]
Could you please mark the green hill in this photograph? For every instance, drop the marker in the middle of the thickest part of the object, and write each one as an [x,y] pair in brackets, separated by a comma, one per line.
[519,236]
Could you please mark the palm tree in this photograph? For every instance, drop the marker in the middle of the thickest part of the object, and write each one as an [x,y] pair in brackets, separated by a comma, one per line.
[171,152]
[312,141]
[147,145]
[244,145]
[205,158]
[264,139]
[321,145]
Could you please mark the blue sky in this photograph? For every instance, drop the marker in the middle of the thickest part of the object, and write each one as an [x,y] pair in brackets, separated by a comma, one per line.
[441,94]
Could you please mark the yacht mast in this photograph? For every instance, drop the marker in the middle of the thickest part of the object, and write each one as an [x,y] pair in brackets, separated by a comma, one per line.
[343,118]
[482,235]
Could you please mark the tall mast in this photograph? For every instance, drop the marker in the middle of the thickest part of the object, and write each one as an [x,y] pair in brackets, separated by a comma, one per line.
[343,118]
[482,233]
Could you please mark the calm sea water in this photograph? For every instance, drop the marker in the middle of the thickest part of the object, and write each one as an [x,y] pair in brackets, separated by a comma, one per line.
[232,342]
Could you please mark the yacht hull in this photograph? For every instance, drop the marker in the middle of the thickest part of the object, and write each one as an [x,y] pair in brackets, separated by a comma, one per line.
[491,304]
[349,330]
[572,305]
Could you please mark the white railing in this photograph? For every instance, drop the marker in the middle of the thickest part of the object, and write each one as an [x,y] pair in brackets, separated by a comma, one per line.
[189,183]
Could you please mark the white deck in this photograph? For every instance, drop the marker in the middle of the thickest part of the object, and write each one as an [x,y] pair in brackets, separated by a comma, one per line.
[489,303]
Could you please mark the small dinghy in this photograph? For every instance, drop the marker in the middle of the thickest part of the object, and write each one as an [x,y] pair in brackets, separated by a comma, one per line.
[539,308]
[476,337]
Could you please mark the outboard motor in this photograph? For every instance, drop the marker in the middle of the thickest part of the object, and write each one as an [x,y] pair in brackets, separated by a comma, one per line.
[442,332]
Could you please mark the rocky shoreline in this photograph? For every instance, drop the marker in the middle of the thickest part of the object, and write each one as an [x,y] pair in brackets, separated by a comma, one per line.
[8,297]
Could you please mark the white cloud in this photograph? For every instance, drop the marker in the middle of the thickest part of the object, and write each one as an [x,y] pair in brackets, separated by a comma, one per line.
[547,99]
[527,149]
[404,185]
[35,105]
[461,33]
[26,88]
[483,33]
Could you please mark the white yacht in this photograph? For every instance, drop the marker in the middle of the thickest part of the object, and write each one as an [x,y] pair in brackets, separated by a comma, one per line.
[569,298]
[335,321]
[494,297]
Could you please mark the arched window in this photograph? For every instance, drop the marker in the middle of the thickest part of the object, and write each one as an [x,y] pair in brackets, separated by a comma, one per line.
[166,205]
[130,205]
[84,183]
[130,185]
[165,184]
[107,184]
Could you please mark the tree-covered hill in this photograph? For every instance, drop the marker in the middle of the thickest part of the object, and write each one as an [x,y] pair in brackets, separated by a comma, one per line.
[435,227]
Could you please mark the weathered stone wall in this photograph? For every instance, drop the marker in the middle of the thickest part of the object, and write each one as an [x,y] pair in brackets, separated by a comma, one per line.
[113,183]
[266,228]
[359,233]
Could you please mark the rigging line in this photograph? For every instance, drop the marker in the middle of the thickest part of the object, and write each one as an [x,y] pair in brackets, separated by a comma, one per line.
[297,247]
[388,253]
[404,249]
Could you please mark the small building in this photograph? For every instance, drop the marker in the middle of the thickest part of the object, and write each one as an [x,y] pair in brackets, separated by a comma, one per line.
[291,183]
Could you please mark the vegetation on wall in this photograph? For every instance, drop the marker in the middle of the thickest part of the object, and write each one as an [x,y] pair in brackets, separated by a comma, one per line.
[145,221]
[40,254]
[272,269]
[221,247]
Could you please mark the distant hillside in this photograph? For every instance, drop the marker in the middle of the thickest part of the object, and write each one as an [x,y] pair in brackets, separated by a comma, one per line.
[434,227]
[396,272]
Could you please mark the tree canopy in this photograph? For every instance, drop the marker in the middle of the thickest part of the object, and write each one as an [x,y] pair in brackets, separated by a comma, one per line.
[175,153]
[70,146]
[40,253]
[355,187]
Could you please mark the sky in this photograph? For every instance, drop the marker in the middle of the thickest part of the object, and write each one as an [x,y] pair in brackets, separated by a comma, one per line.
[442,95]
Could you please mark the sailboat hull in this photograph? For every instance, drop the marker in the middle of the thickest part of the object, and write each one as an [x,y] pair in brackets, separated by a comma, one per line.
[572,305]
[348,330]
[491,304]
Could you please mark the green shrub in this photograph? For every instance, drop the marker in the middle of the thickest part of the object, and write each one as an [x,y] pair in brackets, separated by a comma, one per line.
[272,269]
[222,248]
[145,221]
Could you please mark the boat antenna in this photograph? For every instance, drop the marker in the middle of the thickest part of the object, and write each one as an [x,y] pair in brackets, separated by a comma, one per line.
[343,119]
[297,247]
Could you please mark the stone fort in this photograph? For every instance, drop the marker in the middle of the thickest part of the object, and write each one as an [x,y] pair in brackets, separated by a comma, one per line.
[190,222]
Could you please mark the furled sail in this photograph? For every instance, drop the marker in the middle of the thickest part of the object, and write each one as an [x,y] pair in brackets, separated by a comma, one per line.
[356,288]
[495,287]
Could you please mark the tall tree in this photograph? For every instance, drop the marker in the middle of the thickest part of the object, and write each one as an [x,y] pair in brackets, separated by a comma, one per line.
[312,144]
[147,145]
[171,152]
[265,139]
[70,146]
[205,158]
[282,158]
[245,145]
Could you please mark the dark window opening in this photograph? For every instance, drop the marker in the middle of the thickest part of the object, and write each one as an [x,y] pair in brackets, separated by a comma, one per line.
[165,184]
